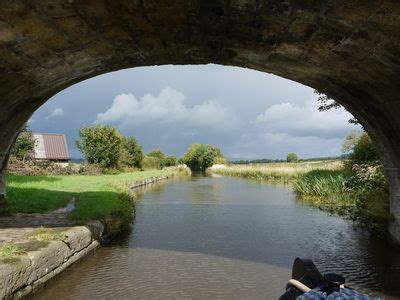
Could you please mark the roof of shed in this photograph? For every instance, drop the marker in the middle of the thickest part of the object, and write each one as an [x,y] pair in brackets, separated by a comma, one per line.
[51,146]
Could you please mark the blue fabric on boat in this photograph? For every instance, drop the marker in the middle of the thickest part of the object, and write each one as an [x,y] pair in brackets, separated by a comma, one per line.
[346,294]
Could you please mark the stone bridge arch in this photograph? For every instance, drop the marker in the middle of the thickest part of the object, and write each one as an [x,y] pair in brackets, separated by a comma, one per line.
[348,49]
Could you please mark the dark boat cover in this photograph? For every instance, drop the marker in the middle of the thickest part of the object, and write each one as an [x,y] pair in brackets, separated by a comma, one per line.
[342,294]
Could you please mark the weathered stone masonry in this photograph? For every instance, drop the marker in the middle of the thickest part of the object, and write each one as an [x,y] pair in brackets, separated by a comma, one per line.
[348,49]
[21,275]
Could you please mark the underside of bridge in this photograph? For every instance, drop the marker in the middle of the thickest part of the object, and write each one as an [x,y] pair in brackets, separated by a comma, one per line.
[344,48]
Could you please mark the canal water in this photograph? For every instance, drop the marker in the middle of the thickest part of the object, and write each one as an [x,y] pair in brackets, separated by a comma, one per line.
[225,238]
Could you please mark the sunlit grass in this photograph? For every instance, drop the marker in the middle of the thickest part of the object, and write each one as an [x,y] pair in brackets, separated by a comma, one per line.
[96,196]
[285,172]
[47,234]
[11,250]
[321,183]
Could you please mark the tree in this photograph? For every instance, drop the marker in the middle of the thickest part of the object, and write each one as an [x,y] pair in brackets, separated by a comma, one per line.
[170,161]
[220,161]
[193,156]
[361,148]
[131,152]
[158,154]
[364,151]
[150,163]
[292,157]
[328,103]
[100,144]
[24,144]
[209,156]
[349,142]
[200,157]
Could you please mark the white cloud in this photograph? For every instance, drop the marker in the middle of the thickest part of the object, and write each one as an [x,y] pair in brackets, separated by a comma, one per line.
[57,112]
[304,120]
[166,108]
[297,127]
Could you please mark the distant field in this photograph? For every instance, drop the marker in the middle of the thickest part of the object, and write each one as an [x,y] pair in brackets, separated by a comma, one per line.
[278,171]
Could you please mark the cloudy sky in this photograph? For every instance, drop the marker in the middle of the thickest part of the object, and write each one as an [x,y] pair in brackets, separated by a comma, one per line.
[249,114]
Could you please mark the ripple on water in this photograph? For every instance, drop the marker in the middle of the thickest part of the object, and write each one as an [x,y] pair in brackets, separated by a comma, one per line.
[160,274]
[225,238]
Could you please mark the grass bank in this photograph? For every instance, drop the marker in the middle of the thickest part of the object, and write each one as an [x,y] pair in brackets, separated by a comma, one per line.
[360,194]
[97,197]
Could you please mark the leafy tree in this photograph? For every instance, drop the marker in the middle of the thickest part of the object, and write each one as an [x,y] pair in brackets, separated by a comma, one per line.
[150,163]
[158,154]
[200,157]
[349,142]
[193,156]
[170,161]
[220,161]
[209,156]
[361,148]
[364,151]
[24,145]
[292,157]
[131,152]
[327,103]
[100,144]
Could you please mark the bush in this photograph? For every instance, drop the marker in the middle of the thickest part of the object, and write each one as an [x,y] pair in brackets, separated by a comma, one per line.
[367,177]
[150,163]
[292,157]
[209,156]
[38,168]
[200,157]
[24,145]
[100,145]
[364,151]
[220,161]
[131,153]
[170,161]
[111,171]
[157,153]
[128,169]
[90,169]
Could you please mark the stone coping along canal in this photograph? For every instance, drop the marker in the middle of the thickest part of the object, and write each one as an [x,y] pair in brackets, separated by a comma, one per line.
[45,252]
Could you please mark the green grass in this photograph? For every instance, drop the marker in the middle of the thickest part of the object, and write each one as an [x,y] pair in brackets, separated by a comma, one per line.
[97,196]
[11,250]
[335,191]
[322,183]
[47,234]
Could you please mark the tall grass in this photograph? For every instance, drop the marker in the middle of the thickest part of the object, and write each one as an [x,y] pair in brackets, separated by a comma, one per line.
[284,172]
[321,183]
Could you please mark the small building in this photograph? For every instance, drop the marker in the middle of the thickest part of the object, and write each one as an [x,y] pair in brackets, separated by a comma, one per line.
[51,147]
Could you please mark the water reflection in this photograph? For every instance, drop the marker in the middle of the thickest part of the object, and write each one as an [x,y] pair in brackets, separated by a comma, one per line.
[225,238]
